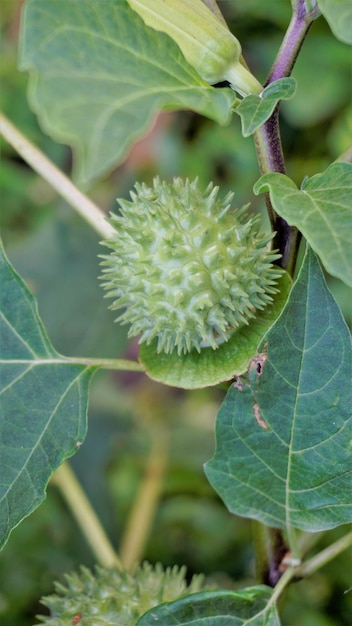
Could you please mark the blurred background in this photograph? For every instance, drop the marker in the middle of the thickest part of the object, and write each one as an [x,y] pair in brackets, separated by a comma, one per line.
[57,255]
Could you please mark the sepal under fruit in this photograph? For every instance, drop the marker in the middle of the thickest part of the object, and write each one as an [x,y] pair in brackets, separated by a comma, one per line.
[187,268]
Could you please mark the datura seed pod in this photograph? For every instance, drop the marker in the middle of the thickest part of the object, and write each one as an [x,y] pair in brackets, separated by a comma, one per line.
[111,597]
[186,267]
[204,39]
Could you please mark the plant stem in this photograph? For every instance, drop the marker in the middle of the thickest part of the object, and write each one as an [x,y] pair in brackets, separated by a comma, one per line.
[287,576]
[66,481]
[270,550]
[311,566]
[267,137]
[109,364]
[300,23]
[323,557]
[143,510]
[61,183]
[277,552]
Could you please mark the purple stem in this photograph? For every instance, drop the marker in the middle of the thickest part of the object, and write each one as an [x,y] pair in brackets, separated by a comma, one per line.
[295,35]
[267,138]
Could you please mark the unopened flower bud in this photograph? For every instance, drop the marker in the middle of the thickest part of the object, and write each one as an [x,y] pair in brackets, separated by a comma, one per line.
[205,41]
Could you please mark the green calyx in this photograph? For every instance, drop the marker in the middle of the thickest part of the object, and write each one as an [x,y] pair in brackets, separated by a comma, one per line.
[187,268]
[110,597]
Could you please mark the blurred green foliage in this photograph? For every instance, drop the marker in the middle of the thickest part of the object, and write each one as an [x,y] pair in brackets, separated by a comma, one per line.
[57,254]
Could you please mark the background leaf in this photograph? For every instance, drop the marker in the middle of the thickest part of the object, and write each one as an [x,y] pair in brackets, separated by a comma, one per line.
[318,108]
[54,259]
[255,110]
[43,404]
[321,210]
[338,14]
[99,76]
[216,608]
[283,442]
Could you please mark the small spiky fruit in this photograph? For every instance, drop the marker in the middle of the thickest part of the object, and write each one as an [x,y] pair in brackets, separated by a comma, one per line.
[186,267]
[114,598]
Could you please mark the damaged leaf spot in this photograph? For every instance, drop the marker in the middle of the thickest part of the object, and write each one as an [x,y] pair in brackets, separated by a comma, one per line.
[258,362]
[238,384]
[258,417]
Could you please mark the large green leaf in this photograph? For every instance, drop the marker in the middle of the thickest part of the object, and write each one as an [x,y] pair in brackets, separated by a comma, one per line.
[255,110]
[99,75]
[43,403]
[321,210]
[338,13]
[250,606]
[284,440]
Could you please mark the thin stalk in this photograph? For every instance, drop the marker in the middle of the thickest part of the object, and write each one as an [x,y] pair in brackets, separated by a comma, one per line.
[66,481]
[286,578]
[300,23]
[110,364]
[323,557]
[144,507]
[270,157]
[57,179]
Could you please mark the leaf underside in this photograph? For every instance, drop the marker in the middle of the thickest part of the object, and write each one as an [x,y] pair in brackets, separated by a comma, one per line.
[283,453]
[43,405]
[99,75]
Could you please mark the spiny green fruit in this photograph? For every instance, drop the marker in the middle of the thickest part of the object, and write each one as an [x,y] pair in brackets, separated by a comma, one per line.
[186,267]
[204,39]
[111,597]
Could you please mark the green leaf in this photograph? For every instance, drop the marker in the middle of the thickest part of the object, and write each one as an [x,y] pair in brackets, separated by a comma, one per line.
[321,210]
[99,76]
[43,403]
[338,14]
[283,451]
[255,110]
[195,370]
[250,606]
